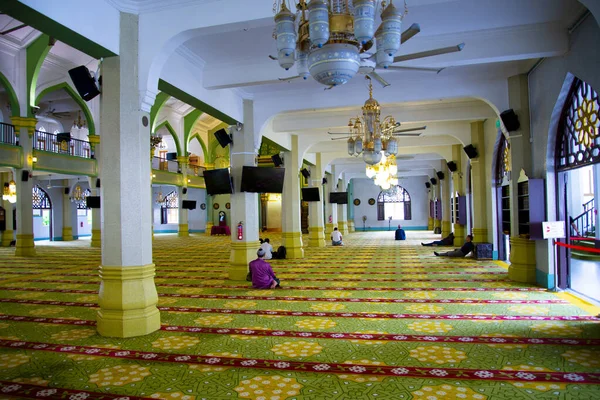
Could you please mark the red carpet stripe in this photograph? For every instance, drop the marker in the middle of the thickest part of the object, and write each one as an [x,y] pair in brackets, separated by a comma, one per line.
[316,367]
[22,390]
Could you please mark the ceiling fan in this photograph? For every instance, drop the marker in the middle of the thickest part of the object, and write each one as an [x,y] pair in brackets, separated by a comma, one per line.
[51,112]
[395,132]
[50,185]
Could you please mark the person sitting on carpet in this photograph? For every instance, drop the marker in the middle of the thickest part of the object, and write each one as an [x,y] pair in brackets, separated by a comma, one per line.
[462,252]
[400,235]
[266,246]
[336,238]
[262,274]
[447,241]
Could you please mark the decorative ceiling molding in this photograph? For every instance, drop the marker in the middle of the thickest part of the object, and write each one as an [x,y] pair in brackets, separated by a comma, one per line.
[148,6]
[190,56]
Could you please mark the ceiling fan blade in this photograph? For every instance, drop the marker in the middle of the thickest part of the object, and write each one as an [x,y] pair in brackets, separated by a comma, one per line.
[407,134]
[291,78]
[436,70]
[338,133]
[430,53]
[341,138]
[410,32]
[378,78]
[330,87]
[410,129]
[273,58]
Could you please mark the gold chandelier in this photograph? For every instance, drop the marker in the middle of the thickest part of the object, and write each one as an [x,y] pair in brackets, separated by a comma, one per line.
[10,192]
[384,173]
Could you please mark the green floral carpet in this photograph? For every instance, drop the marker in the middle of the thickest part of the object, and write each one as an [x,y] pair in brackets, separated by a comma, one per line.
[375,319]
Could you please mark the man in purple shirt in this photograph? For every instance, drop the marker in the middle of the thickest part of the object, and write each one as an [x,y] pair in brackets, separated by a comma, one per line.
[263,276]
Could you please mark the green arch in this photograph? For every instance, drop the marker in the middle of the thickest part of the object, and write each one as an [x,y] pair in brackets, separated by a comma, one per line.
[159,103]
[204,150]
[167,125]
[188,124]
[12,96]
[80,102]
[36,53]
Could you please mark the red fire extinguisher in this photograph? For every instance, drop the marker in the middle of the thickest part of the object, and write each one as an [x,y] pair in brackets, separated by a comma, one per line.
[240,230]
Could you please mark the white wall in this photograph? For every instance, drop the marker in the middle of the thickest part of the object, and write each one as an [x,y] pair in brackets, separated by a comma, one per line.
[197,217]
[364,189]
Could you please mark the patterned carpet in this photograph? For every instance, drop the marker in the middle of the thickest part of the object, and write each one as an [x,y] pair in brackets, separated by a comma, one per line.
[375,319]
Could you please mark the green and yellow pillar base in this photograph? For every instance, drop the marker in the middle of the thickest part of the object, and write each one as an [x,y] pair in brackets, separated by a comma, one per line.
[67,234]
[343,227]
[293,244]
[127,301]
[430,224]
[316,236]
[459,235]
[96,238]
[241,254]
[25,246]
[183,230]
[328,229]
[480,235]
[351,227]
[7,237]
[522,260]
[209,226]
[446,228]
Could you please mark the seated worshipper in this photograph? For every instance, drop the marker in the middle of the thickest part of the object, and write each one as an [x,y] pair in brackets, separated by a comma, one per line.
[462,252]
[400,235]
[266,246]
[336,238]
[447,241]
[262,274]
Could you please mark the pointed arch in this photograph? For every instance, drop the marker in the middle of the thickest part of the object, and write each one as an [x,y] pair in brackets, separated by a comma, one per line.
[12,95]
[167,125]
[36,53]
[75,96]
[159,103]
[204,150]
[188,125]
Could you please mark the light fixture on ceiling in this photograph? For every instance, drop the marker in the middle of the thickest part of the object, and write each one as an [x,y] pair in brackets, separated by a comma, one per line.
[78,195]
[10,191]
[79,129]
[159,197]
[384,173]
[155,140]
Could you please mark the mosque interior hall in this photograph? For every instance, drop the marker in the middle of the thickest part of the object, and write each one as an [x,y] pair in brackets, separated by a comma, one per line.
[299,199]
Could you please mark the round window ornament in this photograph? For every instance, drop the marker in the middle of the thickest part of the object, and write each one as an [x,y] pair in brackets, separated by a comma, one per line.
[356,202]
[372,201]
[228,205]
[203,206]
[216,206]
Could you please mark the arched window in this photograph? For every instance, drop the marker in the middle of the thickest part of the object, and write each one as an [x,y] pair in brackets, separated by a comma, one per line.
[41,128]
[42,206]
[394,203]
[169,210]
[579,138]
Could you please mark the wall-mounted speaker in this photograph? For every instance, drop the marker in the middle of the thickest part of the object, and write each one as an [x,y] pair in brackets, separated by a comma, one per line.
[427,185]
[184,190]
[471,151]
[98,182]
[84,83]
[24,175]
[452,166]
[223,137]
[67,190]
[305,173]
[510,120]
[277,160]
[440,175]
[433,181]
[324,182]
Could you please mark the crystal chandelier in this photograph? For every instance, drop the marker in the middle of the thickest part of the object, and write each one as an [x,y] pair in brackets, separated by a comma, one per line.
[159,197]
[327,37]
[384,173]
[10,192]
[79,195]
[155,140]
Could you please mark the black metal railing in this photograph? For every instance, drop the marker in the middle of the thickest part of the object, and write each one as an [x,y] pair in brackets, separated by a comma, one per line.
[61,143]
[7,134]
[585,223]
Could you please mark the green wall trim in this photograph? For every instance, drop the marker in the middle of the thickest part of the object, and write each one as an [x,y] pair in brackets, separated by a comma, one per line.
[12,96]
[11,156]
[189,121]
[36,53]
[194,102]
[42,23]
[159,103]
[79,164]
[204,150]
[75,96]
[167,125]
[213,143]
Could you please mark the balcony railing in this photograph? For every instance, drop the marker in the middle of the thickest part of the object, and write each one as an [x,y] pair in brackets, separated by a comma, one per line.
[61,143]
[7,134]
[162,164]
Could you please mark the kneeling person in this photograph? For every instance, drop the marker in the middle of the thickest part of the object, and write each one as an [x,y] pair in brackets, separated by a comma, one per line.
[263,276]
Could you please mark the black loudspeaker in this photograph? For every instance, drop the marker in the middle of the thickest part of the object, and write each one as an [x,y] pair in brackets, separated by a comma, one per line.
[92,202]
[67,190]
[510,120]
[84,83]
[184,190]
[427,185]
[188,204]
[452,166]
[305,173]
[471,151]
[98,182]
[24,176]
[433,181]
[440,175]
[324,182]
[277,160]
[223,137]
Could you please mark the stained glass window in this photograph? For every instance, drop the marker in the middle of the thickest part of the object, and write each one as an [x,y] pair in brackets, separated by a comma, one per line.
[41,201]
[394,203]
[578,132]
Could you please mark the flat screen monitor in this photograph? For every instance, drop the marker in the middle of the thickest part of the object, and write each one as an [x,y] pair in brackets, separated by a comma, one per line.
[262,179]
[92,202]
[218,181]
[310,194]
[188,204]
[338,197]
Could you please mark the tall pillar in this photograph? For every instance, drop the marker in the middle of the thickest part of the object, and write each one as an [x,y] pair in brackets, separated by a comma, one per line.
[437,223]
[446,214]
[331,216]
[95,184]
[8,234]
[430,199]
[458,187]
[522,255]
[316,233]
[291,228]
[183,230]
[244,205]
[25,246]
[67,217]
[351,227]
[127,295]
[342,209]
[480,231]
